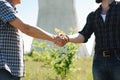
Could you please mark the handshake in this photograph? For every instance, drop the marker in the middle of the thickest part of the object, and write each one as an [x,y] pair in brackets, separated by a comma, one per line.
[61,39]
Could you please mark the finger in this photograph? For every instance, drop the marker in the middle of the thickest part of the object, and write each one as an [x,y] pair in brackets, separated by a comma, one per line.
[59,44]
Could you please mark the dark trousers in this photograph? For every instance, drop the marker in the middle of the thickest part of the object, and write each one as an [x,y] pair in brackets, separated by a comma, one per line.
[5,75]
[106,66]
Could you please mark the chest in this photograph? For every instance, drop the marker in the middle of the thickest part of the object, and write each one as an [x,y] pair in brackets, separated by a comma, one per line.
[109,20]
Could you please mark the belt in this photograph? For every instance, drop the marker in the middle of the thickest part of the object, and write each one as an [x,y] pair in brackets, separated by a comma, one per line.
[108,53]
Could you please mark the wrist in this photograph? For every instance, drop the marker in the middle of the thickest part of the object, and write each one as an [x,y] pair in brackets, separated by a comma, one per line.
[68,39]
[53,38]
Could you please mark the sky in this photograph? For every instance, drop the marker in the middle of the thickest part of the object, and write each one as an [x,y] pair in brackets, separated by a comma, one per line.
[28,11]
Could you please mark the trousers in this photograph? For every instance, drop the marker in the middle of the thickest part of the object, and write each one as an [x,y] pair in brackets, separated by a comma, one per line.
[5,75]
[107,66]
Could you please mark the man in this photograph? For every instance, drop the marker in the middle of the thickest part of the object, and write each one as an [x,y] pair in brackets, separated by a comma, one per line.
[104,22]
[11,44]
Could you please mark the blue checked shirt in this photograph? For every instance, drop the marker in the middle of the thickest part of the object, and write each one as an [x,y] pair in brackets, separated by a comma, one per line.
[11,44]
[107,34]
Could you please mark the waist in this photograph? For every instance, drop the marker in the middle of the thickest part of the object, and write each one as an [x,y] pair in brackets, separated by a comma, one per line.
[108,53]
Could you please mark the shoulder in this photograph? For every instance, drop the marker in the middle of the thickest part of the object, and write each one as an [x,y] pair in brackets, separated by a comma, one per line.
[118,3]
[7,11]
[4,3]
[91,14]
[6,6]
[1,2]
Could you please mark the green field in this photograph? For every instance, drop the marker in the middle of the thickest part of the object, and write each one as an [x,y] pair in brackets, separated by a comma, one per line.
[80,70]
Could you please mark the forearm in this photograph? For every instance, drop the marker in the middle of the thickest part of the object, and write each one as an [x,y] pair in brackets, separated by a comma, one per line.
[76,38]
[36,32]
[32,31]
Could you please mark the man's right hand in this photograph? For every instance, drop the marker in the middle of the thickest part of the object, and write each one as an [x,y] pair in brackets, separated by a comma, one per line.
[61,39]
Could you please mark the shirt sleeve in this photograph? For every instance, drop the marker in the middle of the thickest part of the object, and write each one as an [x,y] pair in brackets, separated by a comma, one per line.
[88,28]
[7,12]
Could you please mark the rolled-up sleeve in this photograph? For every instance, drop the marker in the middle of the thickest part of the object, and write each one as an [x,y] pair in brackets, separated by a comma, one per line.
[7,12]
[88,28]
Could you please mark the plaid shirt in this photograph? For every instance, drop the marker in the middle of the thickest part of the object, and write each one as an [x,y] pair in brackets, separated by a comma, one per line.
[107,34]
[11,44]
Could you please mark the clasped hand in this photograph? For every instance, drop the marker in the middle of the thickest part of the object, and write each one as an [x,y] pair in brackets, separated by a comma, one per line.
[61,39]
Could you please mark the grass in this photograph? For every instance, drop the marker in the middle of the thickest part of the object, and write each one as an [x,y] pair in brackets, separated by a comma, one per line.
[80,70]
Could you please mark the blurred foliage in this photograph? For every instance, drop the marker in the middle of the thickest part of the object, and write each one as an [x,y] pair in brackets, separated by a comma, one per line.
[60,59]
